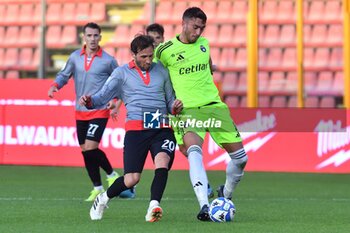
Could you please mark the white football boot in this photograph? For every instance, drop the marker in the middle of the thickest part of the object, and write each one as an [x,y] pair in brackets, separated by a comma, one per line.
[100,204]
[154,214]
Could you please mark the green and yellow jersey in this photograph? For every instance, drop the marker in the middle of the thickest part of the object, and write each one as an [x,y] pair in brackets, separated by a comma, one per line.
[189,70]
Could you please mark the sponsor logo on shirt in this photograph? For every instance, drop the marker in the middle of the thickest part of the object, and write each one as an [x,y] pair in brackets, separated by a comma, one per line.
[193,68]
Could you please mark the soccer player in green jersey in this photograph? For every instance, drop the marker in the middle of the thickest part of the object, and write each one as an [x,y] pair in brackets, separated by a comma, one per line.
[156,31]
[187,57]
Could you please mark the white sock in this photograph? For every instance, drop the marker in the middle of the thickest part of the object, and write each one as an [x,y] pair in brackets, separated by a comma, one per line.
[99,188]
[152,204]
[113,174]
[234,171]
[198,175]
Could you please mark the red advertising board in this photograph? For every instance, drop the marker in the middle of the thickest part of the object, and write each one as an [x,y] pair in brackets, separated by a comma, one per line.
[37,130]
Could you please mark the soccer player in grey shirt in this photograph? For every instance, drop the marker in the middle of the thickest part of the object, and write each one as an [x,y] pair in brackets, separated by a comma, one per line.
[146,90]
[90,67]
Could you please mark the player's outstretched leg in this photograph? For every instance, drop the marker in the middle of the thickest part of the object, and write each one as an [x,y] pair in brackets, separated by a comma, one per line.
[199,180]
[113,175]
[129,193]
[234,173]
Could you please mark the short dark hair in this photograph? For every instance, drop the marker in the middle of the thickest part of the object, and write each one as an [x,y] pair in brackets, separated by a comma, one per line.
[194,12]
[140,43]
[92,25]
[155,27]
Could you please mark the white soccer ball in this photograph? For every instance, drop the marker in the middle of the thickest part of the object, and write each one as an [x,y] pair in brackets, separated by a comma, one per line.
[222,210]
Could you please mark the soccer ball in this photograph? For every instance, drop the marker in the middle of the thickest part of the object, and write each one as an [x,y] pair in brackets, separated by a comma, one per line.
[222,210]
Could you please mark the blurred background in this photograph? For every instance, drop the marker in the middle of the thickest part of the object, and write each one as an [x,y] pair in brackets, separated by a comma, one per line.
[24,54]
[283,67]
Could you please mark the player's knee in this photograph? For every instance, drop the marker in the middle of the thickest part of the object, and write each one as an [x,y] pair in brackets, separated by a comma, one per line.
[162,160]
[239,157]
[243,162]
[131,179]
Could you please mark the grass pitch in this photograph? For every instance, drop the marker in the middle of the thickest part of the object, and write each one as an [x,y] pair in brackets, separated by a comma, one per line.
[50,199]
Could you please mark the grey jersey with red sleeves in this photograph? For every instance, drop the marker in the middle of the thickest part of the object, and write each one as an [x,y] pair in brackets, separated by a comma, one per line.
[88,78]
[130,85]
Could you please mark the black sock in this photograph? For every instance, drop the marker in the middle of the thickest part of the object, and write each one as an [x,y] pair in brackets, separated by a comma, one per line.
[159,183]
[104,162]
[117,187]
[92,166]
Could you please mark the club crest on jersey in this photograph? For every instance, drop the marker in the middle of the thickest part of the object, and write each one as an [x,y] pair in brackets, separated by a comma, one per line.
[203,49]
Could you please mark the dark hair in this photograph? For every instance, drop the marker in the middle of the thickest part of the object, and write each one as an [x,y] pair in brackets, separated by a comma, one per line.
[92,25]
[194,12]
[140,43]
[155,27]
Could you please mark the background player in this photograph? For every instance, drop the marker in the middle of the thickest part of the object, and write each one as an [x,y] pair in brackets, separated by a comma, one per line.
[156,31]
[90,67]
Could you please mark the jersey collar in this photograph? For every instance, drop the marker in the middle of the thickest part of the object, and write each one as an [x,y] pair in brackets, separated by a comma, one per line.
[132,65]
[146,79]
[99,51]
[86,64]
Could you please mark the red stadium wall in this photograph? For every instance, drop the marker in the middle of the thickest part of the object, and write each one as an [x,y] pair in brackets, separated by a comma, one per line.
[36,130]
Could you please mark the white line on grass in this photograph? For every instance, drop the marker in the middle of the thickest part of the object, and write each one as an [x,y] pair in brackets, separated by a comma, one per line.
[172,199]
[80,199]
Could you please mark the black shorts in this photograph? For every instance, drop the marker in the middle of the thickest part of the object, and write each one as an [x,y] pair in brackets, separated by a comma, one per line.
[138,143]
[91,129]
